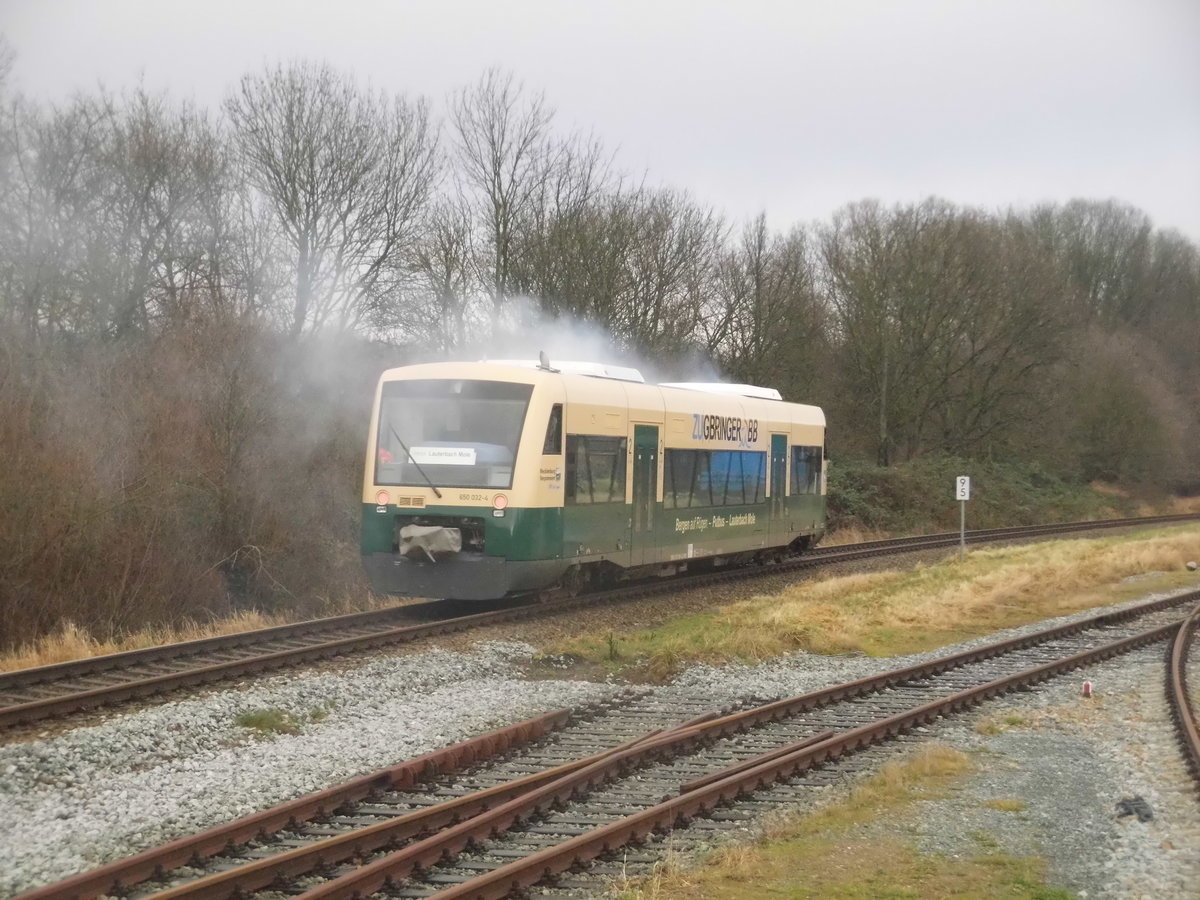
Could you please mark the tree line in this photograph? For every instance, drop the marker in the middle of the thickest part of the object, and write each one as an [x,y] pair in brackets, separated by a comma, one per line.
[310,202]
[186,291]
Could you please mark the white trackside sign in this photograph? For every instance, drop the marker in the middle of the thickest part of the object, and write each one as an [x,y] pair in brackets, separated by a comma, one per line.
[962,493]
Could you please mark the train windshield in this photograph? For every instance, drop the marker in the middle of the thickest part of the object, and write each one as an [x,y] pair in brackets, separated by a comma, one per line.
[458,433]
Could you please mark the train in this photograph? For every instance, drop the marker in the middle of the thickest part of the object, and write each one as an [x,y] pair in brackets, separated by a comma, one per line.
[485,480]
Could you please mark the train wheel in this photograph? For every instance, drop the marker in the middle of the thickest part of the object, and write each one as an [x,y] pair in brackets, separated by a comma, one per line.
[574,581]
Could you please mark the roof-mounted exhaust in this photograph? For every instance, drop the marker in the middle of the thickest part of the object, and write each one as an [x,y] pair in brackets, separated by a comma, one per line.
[596,370]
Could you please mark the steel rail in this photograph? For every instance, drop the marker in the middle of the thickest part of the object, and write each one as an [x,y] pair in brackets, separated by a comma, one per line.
[360,842]
[524,873]
[118,876]
[733,769]
[92,665]
[209,672]
[1179,696]
[153,863]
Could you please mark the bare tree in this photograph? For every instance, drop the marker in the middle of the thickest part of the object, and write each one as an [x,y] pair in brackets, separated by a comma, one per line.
[860,258]
[577,263]
[347,172]
[445,279]
[557,245]
[945,321]
[159,162]
[670,268]
[55,189]
[113,207]
[501,148]
[767,324]
[1104,248]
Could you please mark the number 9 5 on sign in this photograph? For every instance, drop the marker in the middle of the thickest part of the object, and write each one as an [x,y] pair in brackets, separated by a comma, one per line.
[962,487]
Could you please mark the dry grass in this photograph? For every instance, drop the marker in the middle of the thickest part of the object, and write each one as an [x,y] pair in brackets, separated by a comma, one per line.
[1169,506]
[72,642]
[987,590]
[998,722]
[923,774]
[667,877]
[896,612]
[1182,505]
[1006,804]
[853,534]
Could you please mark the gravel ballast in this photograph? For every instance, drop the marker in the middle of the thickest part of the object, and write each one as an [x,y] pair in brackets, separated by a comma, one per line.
[1071,760]
[84,797]
[94,794]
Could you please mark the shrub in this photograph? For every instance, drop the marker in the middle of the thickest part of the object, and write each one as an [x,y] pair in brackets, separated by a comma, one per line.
[917,496]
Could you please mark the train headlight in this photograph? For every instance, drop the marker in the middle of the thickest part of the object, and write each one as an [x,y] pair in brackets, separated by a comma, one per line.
[383,498]
[500,501]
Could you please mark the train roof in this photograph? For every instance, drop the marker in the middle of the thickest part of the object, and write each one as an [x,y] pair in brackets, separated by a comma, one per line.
[701,397]
[729,390]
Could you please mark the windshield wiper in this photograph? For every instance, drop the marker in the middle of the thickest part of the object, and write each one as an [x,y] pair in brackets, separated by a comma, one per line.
[408,453]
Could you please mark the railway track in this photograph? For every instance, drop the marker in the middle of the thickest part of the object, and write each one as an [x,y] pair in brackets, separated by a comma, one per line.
[513,808]
[1179,694]
[29,695]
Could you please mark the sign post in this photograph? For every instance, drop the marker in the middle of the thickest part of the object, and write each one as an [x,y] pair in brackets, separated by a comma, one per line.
[962,493]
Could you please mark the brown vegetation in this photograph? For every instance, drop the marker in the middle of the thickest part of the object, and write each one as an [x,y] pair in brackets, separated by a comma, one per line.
[209,469]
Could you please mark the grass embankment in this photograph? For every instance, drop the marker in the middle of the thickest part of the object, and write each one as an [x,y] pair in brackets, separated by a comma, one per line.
[909,611]
[848,851]
[72,642]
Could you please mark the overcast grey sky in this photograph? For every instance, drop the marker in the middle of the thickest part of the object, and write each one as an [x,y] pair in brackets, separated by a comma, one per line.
[795,108]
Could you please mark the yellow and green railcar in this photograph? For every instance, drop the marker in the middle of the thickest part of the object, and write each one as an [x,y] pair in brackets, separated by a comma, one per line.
[489,479]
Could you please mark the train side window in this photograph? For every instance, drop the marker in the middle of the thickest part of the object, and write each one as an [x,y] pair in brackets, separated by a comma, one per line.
[713,478]
[759,474]
[806,470]
[751,482]
[686,481]
[595,469]
[800,470]
[553,442]
[679,478]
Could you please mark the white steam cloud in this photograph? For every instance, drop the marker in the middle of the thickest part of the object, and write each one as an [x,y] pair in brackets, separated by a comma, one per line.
[528,331]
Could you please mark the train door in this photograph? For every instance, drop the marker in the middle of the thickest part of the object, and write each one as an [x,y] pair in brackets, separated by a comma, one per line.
[779,525]
[779,517]
[645,491]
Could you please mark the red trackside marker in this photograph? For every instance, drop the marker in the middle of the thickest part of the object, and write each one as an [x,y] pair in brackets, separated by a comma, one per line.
[1087,689]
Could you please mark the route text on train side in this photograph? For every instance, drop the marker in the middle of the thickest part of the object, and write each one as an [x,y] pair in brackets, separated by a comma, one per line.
[724,428]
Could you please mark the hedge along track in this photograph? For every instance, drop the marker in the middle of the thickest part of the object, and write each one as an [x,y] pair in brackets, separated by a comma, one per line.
[58,690]
[599,781]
